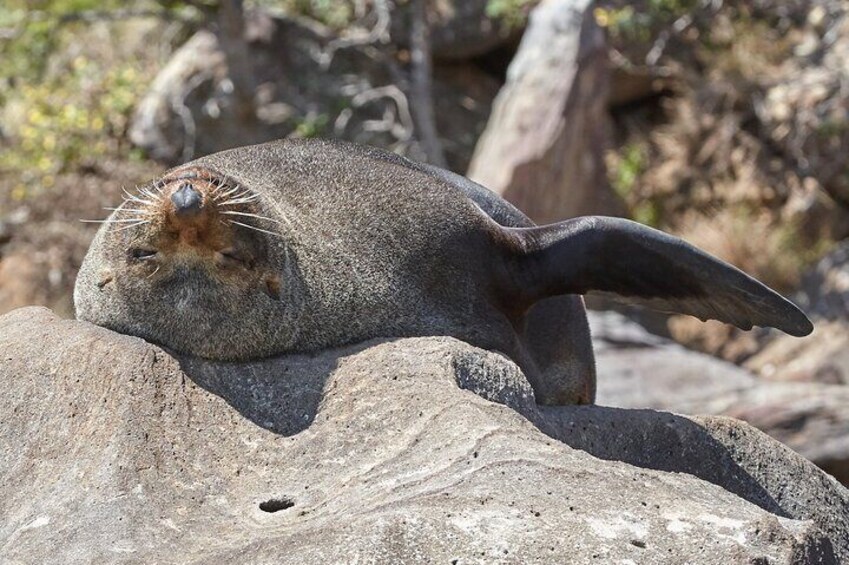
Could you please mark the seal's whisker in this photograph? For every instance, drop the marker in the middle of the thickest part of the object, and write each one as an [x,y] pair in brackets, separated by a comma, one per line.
[149,194]
[230,189]
[227,193]
[239,200]
[113,221]
[119,209]
[154,272]
[137,224]
[243,194]
[140,201]
[234,213]
[250,227]
[137,199]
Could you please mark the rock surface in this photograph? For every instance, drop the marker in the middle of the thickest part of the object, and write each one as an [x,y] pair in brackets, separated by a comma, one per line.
[640,370]
[543,148]
[114,451]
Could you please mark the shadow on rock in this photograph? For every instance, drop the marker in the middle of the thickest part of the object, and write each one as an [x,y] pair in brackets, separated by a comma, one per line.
[280,394]
[655,440]
[720,450]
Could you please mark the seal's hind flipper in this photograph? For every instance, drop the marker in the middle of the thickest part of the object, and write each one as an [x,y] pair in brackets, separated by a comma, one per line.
[645,266]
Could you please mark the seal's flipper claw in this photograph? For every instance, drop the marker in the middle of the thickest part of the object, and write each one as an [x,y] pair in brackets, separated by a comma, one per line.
[638,264]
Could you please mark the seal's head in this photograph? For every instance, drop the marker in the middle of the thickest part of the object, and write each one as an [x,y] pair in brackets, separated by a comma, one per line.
[190,261]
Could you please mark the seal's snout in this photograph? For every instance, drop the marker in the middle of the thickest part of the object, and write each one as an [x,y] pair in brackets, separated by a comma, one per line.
[187,200]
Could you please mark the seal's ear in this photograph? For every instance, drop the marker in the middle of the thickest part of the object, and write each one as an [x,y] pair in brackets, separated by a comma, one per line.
[641,265]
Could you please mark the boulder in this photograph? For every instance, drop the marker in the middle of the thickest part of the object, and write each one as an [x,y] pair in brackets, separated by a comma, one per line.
[640,370]
[824,355]
[414,450]
[543,147]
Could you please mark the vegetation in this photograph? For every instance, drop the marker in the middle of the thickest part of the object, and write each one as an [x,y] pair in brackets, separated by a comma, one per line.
[513,14]
[71,79]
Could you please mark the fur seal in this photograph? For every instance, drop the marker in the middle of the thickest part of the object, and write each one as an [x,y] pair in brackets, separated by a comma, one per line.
[301,245]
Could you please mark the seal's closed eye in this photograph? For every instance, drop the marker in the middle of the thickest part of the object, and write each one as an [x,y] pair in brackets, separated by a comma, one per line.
[232,257]
[141,254]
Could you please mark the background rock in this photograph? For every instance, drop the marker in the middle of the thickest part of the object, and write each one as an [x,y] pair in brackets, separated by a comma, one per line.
[115,451]
[190,109]
[639,370]
[543,148]
[824,355]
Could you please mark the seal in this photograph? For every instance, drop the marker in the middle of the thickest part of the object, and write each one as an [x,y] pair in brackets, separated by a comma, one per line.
[302,245]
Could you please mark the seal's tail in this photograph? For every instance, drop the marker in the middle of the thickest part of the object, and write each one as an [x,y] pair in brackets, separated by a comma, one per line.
[641,265]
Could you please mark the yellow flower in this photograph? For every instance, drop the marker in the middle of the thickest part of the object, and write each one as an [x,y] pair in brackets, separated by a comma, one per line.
[602,17]
[34,116]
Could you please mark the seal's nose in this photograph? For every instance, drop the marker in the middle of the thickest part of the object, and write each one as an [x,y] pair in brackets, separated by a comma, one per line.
[187,200]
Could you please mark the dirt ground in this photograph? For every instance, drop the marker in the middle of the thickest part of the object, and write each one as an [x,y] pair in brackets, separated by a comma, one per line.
[42,238]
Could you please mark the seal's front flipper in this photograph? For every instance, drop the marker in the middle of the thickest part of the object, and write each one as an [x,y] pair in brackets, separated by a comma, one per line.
[641,265]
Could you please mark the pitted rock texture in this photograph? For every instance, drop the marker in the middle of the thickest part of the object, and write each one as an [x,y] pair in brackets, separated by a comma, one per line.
[112,450]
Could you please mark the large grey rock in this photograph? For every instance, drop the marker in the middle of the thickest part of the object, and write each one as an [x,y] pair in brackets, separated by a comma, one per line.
[543,148]
[639,370]
[114,451]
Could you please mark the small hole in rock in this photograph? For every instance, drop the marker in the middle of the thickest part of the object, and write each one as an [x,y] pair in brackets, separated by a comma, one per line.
[276,504]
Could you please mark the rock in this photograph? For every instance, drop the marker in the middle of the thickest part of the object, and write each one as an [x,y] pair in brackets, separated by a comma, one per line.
[811,418]
[113,450]
[820,357]
[190,109]
[825,288]
[638,370]
[543,148]
[156,126]
[824,355]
